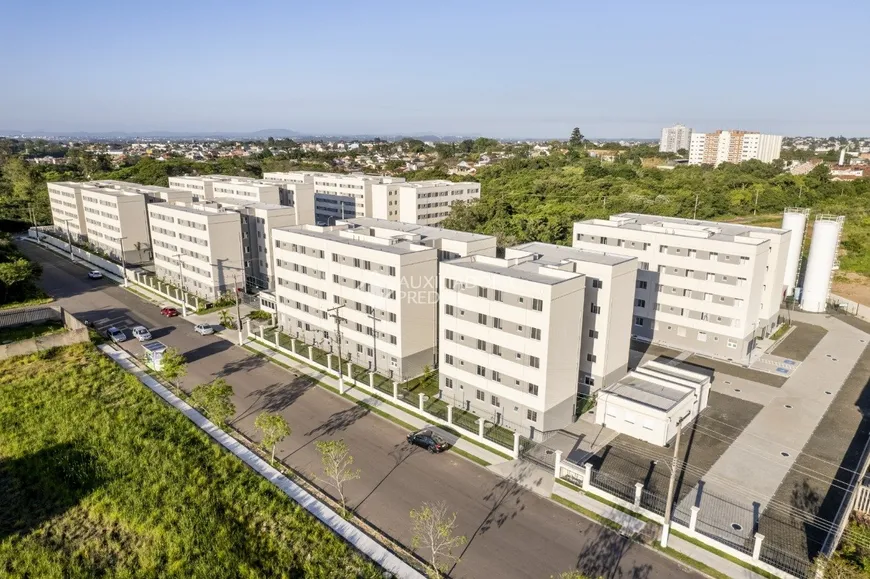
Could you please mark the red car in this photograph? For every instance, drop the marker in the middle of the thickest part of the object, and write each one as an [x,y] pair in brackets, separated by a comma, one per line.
[169,312]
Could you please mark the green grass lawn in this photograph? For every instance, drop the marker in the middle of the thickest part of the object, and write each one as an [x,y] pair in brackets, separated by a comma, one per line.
[426,385]
[30,331]
[99,478]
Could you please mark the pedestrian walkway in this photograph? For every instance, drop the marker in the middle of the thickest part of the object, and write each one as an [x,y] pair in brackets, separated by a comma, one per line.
[366,398]
[365,544]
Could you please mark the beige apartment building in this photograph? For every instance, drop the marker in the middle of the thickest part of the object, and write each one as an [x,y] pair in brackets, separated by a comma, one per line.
[152,193]
[522,337]
[115,221]
[733,147]
[336,195]
[421,202]
[201,244]
[702,286]
[383,276]
[67,212]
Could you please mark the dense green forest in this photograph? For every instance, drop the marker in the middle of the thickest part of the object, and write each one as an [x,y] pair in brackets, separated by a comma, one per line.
[523,198]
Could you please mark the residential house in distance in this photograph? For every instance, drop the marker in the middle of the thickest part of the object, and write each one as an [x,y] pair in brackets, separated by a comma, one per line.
[733,147]
[675,139]
[201,244]
[702,286]
[383,276]
[420,202]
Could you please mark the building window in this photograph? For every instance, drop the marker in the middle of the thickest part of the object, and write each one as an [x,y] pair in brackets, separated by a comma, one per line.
[537,305]
[481,371]
[448,283]
[496,349]
[533,389]
[640,303]
[595,309]
[589,380]
[448,383]
[641,284]
[596,283]
[534,362]
[536,334]
[702,336]
[532,415]
[495,401]
[496,376]
[481,319]
[481,292]
[638,321]
[448,309]
[593,334]
[498,295]
[481,345]
[591,358]
[448,359]
[480,395]
[448,334]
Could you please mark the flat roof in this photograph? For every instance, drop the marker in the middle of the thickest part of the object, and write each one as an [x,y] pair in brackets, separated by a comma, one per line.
[527,271]
[333,233]
[188,209]
[88,188]
[684,227]
[252,204]
[437,183]
[427,231]
[558,254]
[659,396]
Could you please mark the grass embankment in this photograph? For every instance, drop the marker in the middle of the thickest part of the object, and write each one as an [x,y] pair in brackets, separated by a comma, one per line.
[100,478]
[30,331]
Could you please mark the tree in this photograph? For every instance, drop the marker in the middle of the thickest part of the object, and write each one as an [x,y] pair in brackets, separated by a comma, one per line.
[576,137]
[337,462]
[227,319]
[215,399]
[434,529]
[14,272]
[274,429]
[173,366]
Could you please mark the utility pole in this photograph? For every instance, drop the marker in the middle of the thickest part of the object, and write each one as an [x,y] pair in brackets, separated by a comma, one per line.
[181,277]
[755,210]
[33,218]
[374,340]
[69,240]
[123,261]
[338,320]
[695,213]
[239,309]
[669,505]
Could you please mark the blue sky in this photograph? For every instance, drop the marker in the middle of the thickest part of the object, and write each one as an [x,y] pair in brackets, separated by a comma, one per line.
[508,68]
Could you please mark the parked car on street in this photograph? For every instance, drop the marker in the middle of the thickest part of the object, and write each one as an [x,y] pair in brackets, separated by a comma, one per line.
[141,333]
[428,440]
[203,329]
[94,274]
[169,312]
[116,335]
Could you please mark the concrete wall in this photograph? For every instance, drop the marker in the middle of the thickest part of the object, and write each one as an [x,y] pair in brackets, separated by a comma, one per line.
[76,331]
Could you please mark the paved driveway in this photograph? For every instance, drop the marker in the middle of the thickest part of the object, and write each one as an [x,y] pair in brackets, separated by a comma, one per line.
[512,532]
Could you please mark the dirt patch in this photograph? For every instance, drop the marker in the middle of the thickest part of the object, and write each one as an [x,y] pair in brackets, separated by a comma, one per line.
[800,342]
[852,286]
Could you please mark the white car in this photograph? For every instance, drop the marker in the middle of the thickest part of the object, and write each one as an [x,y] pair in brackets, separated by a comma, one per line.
[203,329]
[141,333]
[94,274]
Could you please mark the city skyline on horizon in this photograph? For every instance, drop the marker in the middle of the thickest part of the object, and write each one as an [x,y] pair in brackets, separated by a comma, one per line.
[499,70]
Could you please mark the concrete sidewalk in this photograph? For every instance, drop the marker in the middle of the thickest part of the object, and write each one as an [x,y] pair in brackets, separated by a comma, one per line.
[363,396]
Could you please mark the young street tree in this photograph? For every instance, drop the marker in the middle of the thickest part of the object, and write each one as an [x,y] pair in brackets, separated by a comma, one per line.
[173,366]
[433,528]
[215,399]
[274,429]
[576,138]
[337,462]
[227,319]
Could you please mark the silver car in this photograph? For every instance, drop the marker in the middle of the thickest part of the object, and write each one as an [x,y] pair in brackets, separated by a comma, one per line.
[141,333]
[116,335]
[203,329]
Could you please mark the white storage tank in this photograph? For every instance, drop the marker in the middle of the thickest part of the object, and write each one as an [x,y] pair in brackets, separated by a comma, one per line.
[794,220]
[821,263]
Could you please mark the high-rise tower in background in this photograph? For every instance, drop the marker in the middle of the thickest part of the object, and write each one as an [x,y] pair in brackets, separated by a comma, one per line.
[675,138]
[733,147]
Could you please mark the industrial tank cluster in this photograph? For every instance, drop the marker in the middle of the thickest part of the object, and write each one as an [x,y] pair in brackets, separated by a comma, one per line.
[822,260]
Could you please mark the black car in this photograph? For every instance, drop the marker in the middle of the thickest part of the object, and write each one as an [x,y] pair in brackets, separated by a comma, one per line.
[428,440]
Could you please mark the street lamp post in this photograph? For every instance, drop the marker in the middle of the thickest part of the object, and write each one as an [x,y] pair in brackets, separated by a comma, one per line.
[123,261]
[69,239]
[181,277]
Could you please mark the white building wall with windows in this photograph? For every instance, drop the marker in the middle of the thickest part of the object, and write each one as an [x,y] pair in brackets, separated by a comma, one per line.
[67,212]
[509,336]
[207,241]
[675,138]
[422,202]
[112,214]
[701,286]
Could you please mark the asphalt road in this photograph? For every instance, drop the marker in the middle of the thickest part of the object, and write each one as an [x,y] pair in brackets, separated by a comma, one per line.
[512,532]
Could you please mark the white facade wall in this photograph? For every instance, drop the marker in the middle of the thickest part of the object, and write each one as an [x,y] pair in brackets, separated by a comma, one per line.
[67,213]
[697,144]
[209,241]
[525,371]
[200,188]
[421,202]
[675,138]
[747,146]
[696,290]
[110,215]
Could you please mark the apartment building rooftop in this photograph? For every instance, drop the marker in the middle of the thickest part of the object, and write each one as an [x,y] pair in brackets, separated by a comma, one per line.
[195,209]
[436,183]
[658,385]
[342,176]
[549,254]
[424,231]
[526,267]
[733,232]
[235,180]
[344,232]
[252,204]
[92,188]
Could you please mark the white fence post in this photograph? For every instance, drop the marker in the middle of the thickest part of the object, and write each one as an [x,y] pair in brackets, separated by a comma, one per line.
[395,390]
[587,476]
[350,370]
[557,468]
[638,490]
[329,361]
[480,427]
[372,380]
[516,445]
[292,343]
[449,414]
[420,403]
[311,353]
[756,548]
[693,518]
